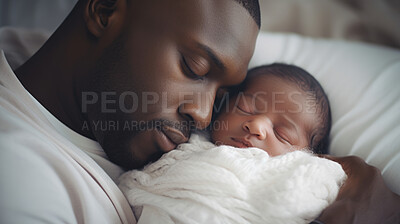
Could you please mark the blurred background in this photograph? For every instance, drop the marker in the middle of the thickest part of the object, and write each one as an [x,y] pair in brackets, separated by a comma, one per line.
[373,21]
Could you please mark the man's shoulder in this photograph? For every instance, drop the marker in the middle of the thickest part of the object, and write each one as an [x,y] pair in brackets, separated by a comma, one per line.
[29,150]
[39,181]
[42,182]
[31,181]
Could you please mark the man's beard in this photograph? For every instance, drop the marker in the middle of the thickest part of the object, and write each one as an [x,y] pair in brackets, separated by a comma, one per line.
[118,145]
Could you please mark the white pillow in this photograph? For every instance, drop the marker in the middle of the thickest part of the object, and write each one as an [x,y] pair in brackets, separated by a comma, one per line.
[34,14]
[362,83]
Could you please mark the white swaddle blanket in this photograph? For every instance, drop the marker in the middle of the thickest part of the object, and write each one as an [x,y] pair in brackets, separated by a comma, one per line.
[203,183]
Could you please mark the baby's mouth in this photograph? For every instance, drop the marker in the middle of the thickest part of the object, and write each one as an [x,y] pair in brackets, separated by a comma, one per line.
[241,143]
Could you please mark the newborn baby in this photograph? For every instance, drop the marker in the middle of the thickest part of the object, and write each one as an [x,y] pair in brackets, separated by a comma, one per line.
[263,170]
[279,108]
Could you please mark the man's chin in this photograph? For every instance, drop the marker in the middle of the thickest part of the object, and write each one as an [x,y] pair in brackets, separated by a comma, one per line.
[133,151]
[129,161]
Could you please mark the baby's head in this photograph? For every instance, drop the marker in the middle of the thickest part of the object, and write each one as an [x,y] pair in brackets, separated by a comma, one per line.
[278,108]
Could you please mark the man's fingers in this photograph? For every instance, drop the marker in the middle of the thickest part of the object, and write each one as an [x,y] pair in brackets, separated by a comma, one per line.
[338,212]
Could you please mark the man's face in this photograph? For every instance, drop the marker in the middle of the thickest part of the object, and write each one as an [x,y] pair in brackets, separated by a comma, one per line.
[159,78]
[272,114]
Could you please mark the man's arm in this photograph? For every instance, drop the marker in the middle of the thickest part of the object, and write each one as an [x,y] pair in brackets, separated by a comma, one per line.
[364,198]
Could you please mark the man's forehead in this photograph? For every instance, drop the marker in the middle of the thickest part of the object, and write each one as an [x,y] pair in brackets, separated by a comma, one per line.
[229,28]
[224,26]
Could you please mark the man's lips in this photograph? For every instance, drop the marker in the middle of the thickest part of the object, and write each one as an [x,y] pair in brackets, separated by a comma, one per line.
[168,138]
[242,143]
[164,143]
[176,136]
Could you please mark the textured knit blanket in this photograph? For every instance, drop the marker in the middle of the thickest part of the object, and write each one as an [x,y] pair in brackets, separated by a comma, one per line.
[200,182]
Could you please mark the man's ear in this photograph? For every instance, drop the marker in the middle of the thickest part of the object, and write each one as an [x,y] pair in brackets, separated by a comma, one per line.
[99,15]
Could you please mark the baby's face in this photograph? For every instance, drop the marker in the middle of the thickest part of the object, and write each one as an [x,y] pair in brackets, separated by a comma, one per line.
[271,114]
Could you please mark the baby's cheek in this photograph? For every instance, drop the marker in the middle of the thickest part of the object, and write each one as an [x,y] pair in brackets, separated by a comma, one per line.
[216,136]
[220,134]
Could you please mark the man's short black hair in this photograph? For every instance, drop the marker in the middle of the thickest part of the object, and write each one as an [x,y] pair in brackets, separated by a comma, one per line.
[253,7]
[319,138]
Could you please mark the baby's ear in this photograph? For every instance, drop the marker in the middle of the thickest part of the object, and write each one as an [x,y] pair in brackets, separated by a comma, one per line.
[101,15]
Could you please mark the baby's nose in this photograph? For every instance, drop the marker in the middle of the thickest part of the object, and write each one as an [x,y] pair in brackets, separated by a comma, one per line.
[258,127]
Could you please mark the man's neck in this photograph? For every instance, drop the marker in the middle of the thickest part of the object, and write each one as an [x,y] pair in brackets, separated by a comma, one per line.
[52,74]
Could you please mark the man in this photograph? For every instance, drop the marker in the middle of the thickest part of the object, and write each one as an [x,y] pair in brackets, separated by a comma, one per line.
[117,85]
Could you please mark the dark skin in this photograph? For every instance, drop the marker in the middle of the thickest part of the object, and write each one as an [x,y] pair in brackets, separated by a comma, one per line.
[364,197]
[163,47]
[114,49]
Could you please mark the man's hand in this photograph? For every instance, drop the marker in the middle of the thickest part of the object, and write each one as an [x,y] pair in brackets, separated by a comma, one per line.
[364,198]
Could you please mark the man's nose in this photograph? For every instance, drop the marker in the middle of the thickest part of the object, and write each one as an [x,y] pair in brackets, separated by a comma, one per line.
[199,108]
[258,127]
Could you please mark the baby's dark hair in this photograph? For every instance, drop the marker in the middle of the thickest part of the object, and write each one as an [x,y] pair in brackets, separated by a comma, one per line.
[319,139]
